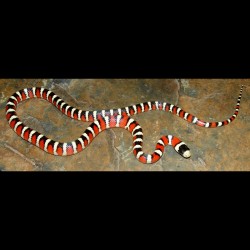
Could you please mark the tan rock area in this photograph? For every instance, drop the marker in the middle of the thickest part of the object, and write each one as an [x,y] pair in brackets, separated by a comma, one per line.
[213,149]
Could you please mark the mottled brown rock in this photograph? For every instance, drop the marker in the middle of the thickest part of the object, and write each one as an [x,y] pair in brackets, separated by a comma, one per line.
[217,149]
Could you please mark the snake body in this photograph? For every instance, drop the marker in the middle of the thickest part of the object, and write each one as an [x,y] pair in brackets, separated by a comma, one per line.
[101,120]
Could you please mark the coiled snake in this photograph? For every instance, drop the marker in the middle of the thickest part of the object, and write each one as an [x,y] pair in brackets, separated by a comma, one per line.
[101,120]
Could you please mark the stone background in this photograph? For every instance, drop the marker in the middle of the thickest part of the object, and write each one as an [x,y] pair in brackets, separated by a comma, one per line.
[220,149]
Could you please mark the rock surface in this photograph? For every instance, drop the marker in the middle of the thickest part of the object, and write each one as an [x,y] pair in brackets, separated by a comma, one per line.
[215,149]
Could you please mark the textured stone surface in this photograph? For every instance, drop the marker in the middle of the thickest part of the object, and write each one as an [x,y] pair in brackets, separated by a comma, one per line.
[224,148]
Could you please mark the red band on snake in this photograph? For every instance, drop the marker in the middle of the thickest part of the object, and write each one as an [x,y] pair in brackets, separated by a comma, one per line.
[104,119]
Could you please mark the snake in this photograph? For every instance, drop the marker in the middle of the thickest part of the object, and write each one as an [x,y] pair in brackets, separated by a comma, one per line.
[102,120]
